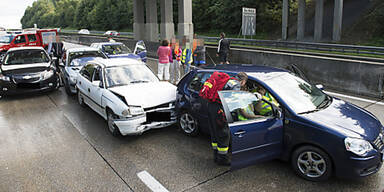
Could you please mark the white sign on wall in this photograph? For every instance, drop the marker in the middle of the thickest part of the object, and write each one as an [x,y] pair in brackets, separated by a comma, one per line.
[248,26]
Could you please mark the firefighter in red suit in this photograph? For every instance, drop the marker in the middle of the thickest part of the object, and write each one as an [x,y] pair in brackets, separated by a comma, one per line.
[219,130]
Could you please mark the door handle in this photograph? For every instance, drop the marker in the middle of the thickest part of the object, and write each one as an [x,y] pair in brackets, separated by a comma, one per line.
[89,90]
[80,82]
[240,133]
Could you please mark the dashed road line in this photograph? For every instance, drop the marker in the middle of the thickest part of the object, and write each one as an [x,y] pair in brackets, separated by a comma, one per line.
[151,182]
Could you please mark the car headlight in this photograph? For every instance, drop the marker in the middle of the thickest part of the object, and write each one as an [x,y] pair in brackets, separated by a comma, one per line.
[357,146]
[133,110]
[4,78]
[48,74]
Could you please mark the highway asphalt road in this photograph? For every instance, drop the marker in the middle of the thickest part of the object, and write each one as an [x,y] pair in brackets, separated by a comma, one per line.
[50,143]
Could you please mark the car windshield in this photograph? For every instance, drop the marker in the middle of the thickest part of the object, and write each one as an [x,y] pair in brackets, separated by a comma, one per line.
[116,49]
[129,74]
[6,39]
[76,55]
[26,57]
[299,95]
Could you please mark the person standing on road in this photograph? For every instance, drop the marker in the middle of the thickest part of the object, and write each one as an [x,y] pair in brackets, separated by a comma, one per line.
[223,49]
[187,58]
[176,55]
[164,51]
[219,130]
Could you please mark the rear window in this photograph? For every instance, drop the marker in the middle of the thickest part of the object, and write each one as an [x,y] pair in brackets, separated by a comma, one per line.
[26,57]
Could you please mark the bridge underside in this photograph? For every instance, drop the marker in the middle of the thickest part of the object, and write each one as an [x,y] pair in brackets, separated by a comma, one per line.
[147,28]
[319,14]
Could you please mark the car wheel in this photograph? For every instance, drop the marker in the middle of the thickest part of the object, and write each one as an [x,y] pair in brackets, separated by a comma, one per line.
[312,163]
[188,124]
[80,99]
[113,129]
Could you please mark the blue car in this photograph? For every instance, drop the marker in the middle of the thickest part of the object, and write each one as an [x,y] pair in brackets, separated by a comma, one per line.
[319,134]
[119,50]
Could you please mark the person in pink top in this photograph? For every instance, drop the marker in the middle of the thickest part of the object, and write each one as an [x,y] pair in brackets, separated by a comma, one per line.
[163,67]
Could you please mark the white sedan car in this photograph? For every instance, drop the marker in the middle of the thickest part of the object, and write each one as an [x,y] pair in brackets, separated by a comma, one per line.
[127,94]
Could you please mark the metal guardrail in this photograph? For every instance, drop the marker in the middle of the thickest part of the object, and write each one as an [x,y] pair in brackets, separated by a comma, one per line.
[97,32]
[303,45]
[356,49]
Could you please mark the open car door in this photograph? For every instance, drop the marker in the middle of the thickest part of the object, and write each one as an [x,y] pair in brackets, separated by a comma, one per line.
[141,50]
[254,139]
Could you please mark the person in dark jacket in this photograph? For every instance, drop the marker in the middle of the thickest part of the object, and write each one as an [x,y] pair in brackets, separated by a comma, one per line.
[223,49]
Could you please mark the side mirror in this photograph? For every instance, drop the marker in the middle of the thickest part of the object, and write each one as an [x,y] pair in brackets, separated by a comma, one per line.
[319,86]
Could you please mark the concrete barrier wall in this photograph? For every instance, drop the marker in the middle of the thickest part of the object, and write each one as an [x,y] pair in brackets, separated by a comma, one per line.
[355,77]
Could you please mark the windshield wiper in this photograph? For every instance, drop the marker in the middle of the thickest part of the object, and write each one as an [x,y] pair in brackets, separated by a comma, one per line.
[325,103]
[310,111]
[139,81]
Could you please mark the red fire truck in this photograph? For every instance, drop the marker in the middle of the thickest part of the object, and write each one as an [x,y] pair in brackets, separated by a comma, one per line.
[34,38]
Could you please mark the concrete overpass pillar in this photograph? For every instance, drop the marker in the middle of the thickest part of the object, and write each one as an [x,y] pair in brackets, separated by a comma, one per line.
[337,20]
[301,20]
[285,15]
[319,20]
[167,28]
[138,17]
[151,26]
[185,25]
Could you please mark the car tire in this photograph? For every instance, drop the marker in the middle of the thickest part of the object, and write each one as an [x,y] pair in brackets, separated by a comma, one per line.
[188,124]
[311,163]
[112,128]
[80,99]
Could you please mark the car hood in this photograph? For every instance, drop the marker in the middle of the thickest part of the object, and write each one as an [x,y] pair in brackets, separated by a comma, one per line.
[24,66]
[129,55]
[347,119]
[147,94]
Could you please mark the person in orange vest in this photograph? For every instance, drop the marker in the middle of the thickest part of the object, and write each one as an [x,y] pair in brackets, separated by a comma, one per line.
[177,61]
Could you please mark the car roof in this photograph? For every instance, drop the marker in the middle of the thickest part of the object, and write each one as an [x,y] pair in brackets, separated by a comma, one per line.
[256,71]
[118,62]
[25,48]
[81,49]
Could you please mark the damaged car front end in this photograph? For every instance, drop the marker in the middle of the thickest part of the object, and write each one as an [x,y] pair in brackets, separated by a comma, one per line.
[140,120]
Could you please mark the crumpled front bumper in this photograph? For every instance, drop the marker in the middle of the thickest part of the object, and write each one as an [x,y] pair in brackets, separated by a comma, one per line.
[139,124]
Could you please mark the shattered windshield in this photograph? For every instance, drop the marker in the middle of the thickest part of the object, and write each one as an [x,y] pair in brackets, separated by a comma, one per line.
[299,95]
[129,74]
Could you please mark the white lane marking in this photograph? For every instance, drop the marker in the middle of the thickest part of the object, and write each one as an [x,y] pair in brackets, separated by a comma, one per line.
[355,98]
[151,182]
